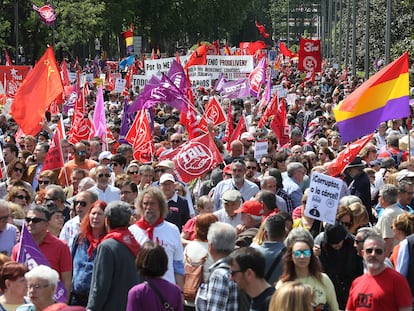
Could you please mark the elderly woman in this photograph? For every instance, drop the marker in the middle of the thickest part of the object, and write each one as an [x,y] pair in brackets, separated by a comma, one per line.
[152,263]
[15,171]
[41,286]
[13,285]
[301,264]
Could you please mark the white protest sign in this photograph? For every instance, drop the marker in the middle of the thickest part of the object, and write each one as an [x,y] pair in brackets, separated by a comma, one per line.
[119,85]
[260,149]
[162,65]
[204,81]
[140,80]
[323,197]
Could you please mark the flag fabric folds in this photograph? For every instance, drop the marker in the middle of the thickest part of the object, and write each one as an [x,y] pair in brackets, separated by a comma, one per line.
[347,155]
[128,35]
[262,30]
[198,57]
[285,51]
[32,256]
[41,86]
[99,118]
[383,97]
[54,156]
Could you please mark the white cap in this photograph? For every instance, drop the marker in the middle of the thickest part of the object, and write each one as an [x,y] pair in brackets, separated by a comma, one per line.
[105,155]
[247,136]
[166,177]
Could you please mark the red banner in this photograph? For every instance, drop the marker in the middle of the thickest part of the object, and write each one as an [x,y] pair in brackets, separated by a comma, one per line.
[139,136]
[54,157]
[13,77]
[310,56]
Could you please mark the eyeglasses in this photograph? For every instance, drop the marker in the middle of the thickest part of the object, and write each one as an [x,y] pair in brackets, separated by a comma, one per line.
[44,182]
[102,175]
[251,167]
[22,197]
[37,286]
[175,141]
[160,170]
[306,253]
[82,203]
[16,169]
[233,272]
[133,172]
[34,220]
[80,152]
[378,251]
[4,218]
[266,163]
[359,241]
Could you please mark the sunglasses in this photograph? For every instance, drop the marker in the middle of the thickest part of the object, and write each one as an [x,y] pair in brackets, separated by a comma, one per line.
[377,251]
[44,182]
[158,170]
[102,175]
[251,167]
[175,141]
[266,163]
[81,203]
[81,153]
[16,169]
[22,197]
[133,173]
[34,220]
[233,272]
[306,253]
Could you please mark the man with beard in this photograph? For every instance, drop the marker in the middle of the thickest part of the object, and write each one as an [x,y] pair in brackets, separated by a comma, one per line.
[238,182]
[152,226]
[80,161]
[381,288]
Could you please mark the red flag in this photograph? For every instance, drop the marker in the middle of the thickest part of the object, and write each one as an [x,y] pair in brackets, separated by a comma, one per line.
[65,75]
[276,66]
[189,118]
[41,86]
[310,57]
[310,77]
[8,59]
[198,57]
[262,30]
[54,157]
[213,114]
[285,51]
[61,128]
[279,124]
[229,126]
[271,110]
[347,155]
[196,157]
[253,47]
[240,129]
[139,136]
[110,82]
[217,47]
[81,125]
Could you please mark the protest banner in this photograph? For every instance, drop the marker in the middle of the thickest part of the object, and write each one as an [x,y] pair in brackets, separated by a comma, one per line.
[323,198]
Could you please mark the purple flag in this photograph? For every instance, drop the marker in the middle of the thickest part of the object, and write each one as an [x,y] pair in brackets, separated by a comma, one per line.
[99,118]
[236,89]
[177,75]
[31,256]
[163,91]
[46,13]
[126,123]
[257,77]
[220,82]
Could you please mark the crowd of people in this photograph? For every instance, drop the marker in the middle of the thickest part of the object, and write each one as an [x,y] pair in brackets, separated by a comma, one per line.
[120,234]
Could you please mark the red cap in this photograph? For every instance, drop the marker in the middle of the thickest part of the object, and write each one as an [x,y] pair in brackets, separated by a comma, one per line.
[251,207]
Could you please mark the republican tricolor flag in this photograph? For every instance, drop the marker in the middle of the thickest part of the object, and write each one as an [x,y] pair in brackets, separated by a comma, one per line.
[383,97]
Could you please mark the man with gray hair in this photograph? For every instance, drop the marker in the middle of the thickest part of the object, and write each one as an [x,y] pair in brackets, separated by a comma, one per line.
[56,194]
[219,292]
[291,184]
[380,288]
[388,195]
[8,232]
[114,272]
[146,174]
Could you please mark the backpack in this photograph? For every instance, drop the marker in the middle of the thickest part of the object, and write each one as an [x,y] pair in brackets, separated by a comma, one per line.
[193,277]
[397,157]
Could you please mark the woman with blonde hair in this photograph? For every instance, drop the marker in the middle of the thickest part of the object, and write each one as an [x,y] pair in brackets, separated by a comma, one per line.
[359,216]
[292,296]
[402,226]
